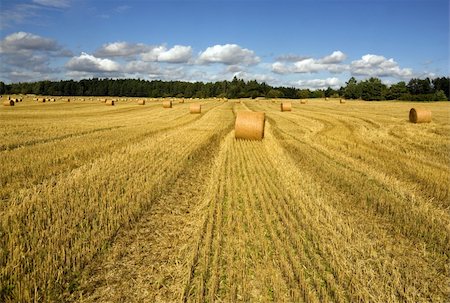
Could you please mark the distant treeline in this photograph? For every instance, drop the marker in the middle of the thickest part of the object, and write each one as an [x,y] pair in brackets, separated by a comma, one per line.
[372,89]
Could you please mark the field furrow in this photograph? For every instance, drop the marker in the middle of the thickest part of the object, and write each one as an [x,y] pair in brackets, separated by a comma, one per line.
[116,189]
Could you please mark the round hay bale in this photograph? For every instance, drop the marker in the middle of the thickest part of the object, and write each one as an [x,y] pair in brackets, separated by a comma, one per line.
[16,100]
[41,100]
[109,102]
[286,106]
[249,125]
[326,99]
[141,102]
[342,101]
[182,101]
[53,100]
[167,104]
[303,101]
[8,103]
[419,115]
[195,108]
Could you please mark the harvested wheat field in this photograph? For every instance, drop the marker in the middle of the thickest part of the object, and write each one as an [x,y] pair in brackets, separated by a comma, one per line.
[130,203]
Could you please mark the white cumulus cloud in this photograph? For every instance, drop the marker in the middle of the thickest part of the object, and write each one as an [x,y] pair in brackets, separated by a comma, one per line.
[230,54]
[319,83]
[21,41]
[331,63]
[176,54]
[90,63]
[379,66]
[121,49]
[335,57]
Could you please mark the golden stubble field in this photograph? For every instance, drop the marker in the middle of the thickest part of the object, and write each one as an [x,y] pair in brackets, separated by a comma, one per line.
[140,203]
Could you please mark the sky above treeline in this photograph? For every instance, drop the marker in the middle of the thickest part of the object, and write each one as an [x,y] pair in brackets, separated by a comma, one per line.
[303,43]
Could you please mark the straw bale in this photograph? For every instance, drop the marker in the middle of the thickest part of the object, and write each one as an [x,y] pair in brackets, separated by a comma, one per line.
[167,104]
[8,103]
[419,115]
[249,125]
[195,108]
[286,106]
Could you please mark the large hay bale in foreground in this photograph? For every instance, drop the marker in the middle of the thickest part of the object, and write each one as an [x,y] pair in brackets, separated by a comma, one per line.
[110,102]
[167,104]
[249,125]
[8,103]
[141,102]
[419,115]
[286,106]
[195,108]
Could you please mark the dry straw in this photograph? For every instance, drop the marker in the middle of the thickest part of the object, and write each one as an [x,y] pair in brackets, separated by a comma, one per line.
[249,125]
[286,106]
[8,103]
[109,102]
[141,102]
[167,104]
[419,115]
[195,108]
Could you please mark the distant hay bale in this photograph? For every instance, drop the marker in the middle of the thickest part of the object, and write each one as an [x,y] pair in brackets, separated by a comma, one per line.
[182,101]
[195,108]
[167,104]
[342,101]
[16,100]
[303,101]
[249,125]
[141,102]
[52,100]
[326,99]
[419,115]
[8,103]
[109,102]
[68,100]
[35,99]
[286,106]
[41,100]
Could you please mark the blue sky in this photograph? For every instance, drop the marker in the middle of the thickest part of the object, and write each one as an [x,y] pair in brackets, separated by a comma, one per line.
[306,44]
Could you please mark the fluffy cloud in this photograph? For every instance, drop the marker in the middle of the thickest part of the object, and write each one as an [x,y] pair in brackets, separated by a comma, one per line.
[29,56]
[331,63]
[177,54]
[378,66]
[335,57]
[22,41]
[319,83]
[90,63]
[230,54]
[121,49]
